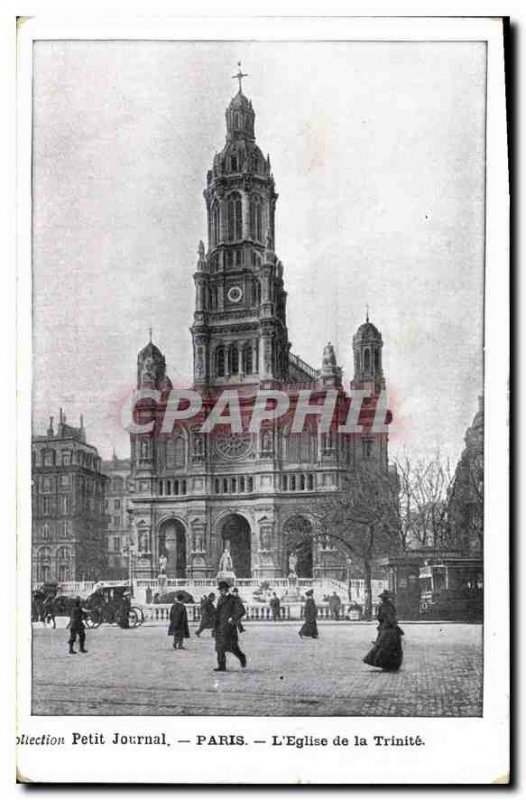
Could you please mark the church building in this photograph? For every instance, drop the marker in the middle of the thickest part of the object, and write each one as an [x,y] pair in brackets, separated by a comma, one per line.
[256,493]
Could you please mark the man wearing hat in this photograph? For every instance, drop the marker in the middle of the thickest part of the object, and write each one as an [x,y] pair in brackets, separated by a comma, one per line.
[310,626]
[227,616]
[76,627]
[124,610]
[208,614]
[179,622]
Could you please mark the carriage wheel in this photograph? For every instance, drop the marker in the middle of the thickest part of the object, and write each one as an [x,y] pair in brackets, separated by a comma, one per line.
[92,620]
[135,617]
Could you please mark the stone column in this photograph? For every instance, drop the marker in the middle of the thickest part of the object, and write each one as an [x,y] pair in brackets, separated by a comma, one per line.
[245,209]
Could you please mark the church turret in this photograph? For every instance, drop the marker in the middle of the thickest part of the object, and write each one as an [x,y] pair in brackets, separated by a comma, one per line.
[151,368]
[367,348]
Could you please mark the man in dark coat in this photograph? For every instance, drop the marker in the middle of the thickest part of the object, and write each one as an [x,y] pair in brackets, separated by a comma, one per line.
[241,609]
[123,614]
[310,626]
[179,622]
[208,614]
[335,605]
[275,606]
[76,627]
[227,615]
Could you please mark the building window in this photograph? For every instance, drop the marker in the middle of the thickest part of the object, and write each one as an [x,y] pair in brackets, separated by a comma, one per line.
[215,224]
[116,504]
[247,359]
[285,483]
[46,505]
[117,543]
[44,532]
[49,458]
[220,361]
[234,359]
[64,529]
[367,448]
[233,163]
[46,485]
[65,504]
[234,217]
[216,486]
[256,225]
[366,360]
[250,482]
[65,481]
[116,522]
[66,458]
[311,482]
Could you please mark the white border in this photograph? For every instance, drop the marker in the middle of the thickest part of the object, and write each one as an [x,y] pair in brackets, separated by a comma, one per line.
[458,750]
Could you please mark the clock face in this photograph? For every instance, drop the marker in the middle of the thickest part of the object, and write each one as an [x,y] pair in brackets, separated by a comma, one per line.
[234,294]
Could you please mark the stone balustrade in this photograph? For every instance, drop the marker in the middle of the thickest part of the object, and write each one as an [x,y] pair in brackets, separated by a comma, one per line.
[256,612]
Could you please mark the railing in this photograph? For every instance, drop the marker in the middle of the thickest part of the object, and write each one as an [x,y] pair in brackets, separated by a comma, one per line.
[256,612]
[303,366]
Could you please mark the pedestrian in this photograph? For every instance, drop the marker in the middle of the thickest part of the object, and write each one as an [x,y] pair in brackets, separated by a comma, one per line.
[235,593]
[310,626]
[335,605]
[208,613]
[225,629]
[149,595]
[179,622]
[386,652]
[76,627]
[275,606]
[48,610]
[123,613]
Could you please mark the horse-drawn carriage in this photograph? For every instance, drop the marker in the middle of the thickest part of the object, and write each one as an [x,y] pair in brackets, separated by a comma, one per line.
[110,603]
[107,602]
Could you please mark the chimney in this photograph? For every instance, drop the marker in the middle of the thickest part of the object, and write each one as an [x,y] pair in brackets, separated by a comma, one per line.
[50,432]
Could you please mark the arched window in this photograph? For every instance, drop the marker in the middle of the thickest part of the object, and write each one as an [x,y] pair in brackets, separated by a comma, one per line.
[179,451]
[234,359]
[236,122]
[248,365]
[256,225]
[220,361]
[377,359]
[234,217]
[215,224]
[233,163]
[366,360]
[300,447]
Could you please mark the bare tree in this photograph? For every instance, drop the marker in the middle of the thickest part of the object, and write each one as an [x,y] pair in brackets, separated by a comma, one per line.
[431,486]
[362,519]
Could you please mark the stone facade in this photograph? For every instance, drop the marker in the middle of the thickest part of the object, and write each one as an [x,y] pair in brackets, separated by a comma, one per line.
[116,507]
[194,492]
[68,520]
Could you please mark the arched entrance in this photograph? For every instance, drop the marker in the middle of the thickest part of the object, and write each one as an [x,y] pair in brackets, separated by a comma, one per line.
[235,531]
[297,532]
[172,544]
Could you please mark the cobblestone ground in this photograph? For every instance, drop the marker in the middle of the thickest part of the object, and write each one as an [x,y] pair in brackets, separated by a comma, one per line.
[137,672]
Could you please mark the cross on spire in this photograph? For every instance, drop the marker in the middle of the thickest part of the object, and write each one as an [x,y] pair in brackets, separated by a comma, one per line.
[240,75]
[367,312]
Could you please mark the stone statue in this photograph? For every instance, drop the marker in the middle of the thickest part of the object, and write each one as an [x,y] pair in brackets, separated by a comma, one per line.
[293,560]
[163,562]
[225,562]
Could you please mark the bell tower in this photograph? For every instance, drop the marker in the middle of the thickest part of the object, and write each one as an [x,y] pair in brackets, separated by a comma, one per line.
[239,330]
[367,348]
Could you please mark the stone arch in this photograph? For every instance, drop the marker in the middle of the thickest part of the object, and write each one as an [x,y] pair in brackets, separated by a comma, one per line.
[298,539]
[234,528]
[171,538]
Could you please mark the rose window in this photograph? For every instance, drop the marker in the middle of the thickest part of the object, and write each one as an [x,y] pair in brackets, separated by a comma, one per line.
[232,445]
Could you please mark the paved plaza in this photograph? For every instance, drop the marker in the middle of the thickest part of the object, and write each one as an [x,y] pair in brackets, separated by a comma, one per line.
[137,672]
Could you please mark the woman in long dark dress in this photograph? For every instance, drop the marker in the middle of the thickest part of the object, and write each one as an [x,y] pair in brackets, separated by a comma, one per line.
[386,652]
[310,626]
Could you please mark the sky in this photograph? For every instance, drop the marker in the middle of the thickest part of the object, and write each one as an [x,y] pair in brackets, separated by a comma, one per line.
[378,154]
